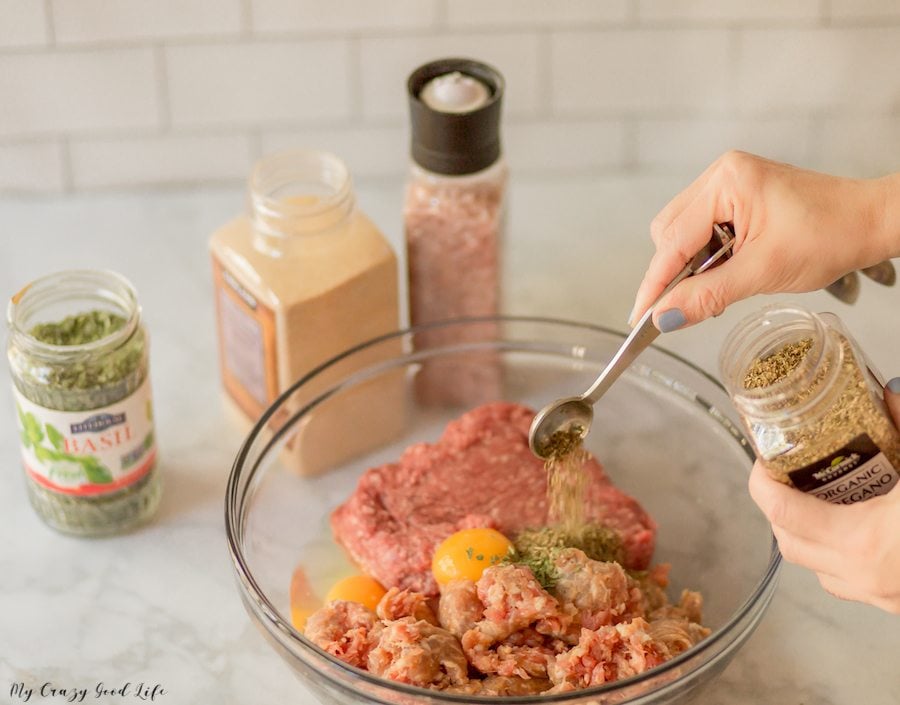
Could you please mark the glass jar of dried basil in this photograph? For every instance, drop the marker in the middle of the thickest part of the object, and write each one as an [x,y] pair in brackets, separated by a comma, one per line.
[811,404]
[78,354]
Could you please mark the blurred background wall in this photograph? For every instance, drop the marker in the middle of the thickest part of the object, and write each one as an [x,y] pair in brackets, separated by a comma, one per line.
[103,94]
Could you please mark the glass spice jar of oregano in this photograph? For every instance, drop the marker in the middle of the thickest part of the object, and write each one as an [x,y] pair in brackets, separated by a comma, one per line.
[811,404]
[78,355]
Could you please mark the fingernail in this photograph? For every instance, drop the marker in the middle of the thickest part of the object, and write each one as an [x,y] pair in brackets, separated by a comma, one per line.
[894,385]
[671,319]
[631,316]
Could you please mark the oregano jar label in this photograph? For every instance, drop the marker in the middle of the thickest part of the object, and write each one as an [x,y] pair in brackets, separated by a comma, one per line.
[812,405]
[856,472]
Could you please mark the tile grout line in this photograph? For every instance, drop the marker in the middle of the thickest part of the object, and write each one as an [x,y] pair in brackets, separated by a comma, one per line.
[246,19]
[545,108]
[164,111]
[256,144]
[633,14]
[735,39]
[355,80]
[68,175]
[862,24]
[816,126]
[631,151]
[441,14]
[518,118]
[825,18]
[50,26]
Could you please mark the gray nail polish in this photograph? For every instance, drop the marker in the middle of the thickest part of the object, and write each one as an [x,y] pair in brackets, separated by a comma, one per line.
[894,385]
[670,320]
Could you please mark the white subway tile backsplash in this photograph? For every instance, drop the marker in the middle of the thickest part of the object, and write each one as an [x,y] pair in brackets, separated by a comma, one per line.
[387,63]
[727,10]
[87,21]
[172,159]
[852,70]
[341,15]
[681,71]
[258,83]
[31,167]
[696,143]
[865,9]
[565,145]
[517,13]
[22,23]
[528,146]
[859,146]
[368,151]
[100,93]
[78,90]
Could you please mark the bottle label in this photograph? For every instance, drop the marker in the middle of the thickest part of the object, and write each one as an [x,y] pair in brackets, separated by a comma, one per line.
[88,452]
[856,472]
[246,344]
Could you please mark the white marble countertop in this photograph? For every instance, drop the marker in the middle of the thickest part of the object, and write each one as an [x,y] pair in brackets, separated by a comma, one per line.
[160,607]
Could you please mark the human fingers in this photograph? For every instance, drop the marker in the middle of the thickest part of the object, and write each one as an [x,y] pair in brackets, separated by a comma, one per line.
[674,207]
[808,554]
[662,269]
[892,399]
[679,239]
[861,576]
[846,590]
[804,515]
[854,549]
[849,572]
[706,295]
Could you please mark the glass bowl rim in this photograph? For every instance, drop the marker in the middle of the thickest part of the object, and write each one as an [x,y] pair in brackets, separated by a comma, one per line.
[233,504]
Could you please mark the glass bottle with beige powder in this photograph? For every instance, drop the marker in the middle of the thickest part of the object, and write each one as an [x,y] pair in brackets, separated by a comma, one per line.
[302,277]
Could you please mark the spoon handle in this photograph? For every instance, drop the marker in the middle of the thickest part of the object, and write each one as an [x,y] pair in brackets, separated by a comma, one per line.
[644,333]
[640,338]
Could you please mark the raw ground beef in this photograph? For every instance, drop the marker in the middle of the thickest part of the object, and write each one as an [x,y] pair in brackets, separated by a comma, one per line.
[480,473]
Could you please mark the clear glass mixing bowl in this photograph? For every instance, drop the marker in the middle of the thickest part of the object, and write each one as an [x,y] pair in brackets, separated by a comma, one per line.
[666,433]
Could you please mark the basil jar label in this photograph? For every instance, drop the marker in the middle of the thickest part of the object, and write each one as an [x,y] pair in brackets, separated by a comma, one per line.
[856,472]
[88,452]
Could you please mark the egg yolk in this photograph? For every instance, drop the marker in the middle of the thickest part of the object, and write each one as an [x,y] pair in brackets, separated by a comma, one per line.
[357,588]
[467,553]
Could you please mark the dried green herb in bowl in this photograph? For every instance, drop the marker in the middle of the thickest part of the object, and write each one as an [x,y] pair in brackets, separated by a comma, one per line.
[538,548]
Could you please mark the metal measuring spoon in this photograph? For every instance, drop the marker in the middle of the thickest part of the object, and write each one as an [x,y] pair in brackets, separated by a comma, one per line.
[560,425]
[846,288]
[883,273]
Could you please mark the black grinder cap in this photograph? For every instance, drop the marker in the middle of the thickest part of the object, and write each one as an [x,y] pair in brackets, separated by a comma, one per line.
[455,143]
